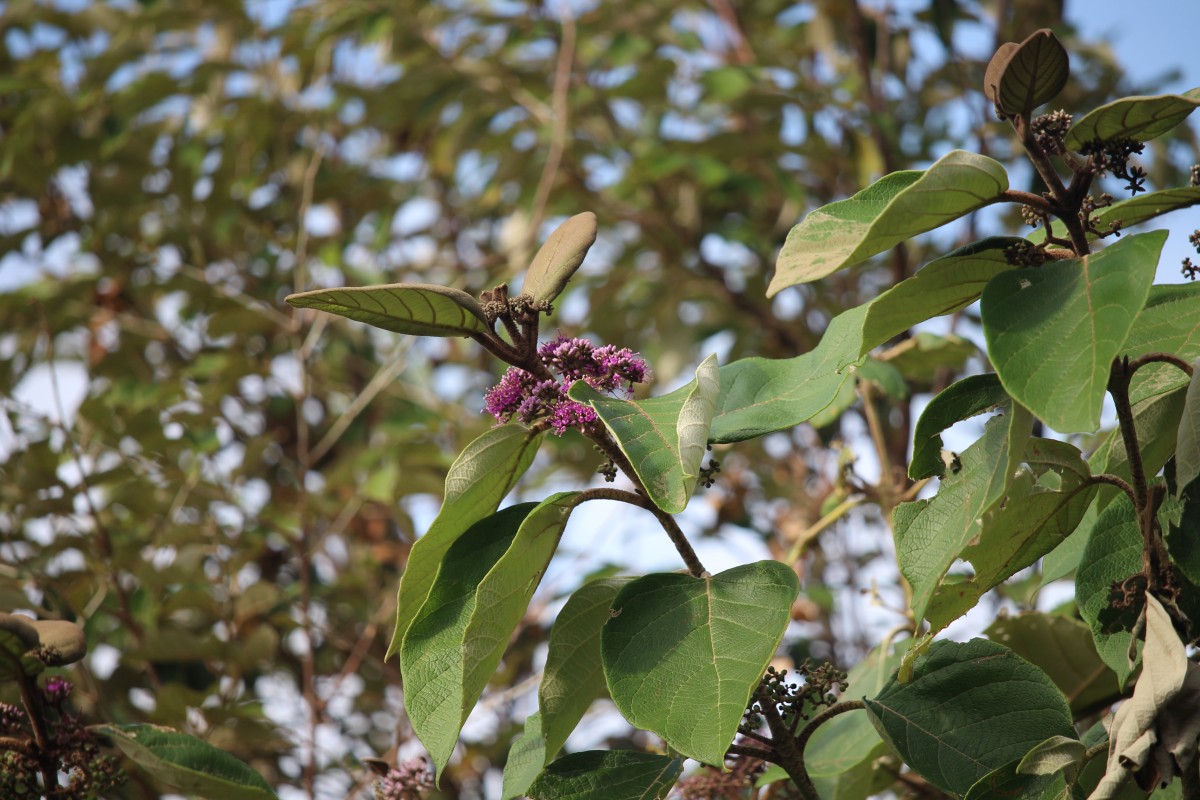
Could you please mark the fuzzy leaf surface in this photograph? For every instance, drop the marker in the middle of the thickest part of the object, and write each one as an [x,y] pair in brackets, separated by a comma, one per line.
[1063,648]
[1141,118]
[571,680]
[482,475]
[1032,74]
[958,693]
[480,594]
[1053,331]
[608,775]
[889,211]
[663,437]
[559,257]
[420,309]
[1187,447]
[189,764]
[682,655]
[961,400]
[1112,554]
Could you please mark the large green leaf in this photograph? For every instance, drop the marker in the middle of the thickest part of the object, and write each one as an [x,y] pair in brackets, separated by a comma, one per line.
[942,286]
[1187,452]
[1042,505]
[886,213]
[1009,783]
[1063,648]
[421,309]
[968,709]
[930,534]
[964,399]
[682,655]
[663,437]
[1021,78]
[189,764]
[480,594]
[1136,210]
[1113,553]
[559,257]
[608,775]
[1140,118]
[478,480]
[1053,331]
[571,680]
[849,739]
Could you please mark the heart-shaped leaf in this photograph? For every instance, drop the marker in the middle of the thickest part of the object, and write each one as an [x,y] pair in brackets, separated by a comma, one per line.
[964,399]
[188,764]
[1042,505]
[1022,77]
[1053,331]
[571,680]
[420,309]
[663,437]
[682,655]
[559,257]
[608,775]
[889,211]
[930,534]
[1113,553]
[1138,118]
[1062,647]
[968,709]
[479,596]
[481,476]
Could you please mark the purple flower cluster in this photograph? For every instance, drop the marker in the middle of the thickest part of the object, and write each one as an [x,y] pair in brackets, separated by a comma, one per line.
[57,690]
[409,781]
[526,397]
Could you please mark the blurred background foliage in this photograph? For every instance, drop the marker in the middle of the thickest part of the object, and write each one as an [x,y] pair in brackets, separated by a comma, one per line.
[223,490]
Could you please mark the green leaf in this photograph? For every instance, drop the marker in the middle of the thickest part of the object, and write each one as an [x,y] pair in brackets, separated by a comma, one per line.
[1056,754]
[1139,118]
[663,437]
[1021,78]
[559,257]
[608,775]
[962,400]
[1113,553]
[682,655]
[943,286]
[886,213]
[1063,648]
[1187,447]
[921,358]
[1007,783]
[1179,516]
[760,395]
[930,534]
[420,309]
[479,596]
[478,480]
[850,739]
[859,782]
[1053,331]
[1136,210]
[571,680]
[968,709]
[188,764]
[1042,505]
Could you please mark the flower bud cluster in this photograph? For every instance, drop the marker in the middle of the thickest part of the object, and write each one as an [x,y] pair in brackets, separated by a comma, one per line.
[528,398]
[409,781]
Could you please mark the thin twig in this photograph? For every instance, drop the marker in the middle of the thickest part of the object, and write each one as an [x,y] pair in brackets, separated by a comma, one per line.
[381,379]
[1160,358]
[818,527]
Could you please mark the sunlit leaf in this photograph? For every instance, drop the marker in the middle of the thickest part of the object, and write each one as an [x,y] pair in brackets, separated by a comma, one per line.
[559,257]
[1063,648]
[188,764]
[889,211]
[608,775]
[958,691]
[682,655]
[663,437]
[482,475]
[420,309]
[478,598]
[1139,118]
[1053,331]
[571,680]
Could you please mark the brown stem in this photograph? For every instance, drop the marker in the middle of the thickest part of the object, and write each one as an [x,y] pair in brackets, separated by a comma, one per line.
[788,753]
[1118,387]
[1117,481]
[1065,203]
[751,752]
[41,737]
[16,745]
[1160,358]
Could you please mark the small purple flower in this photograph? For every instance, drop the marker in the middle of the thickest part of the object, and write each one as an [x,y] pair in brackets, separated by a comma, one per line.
[409,781]
[523,396]
[57,690]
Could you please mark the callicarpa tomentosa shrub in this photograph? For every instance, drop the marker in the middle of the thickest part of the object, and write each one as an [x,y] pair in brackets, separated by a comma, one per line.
[1070,315]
